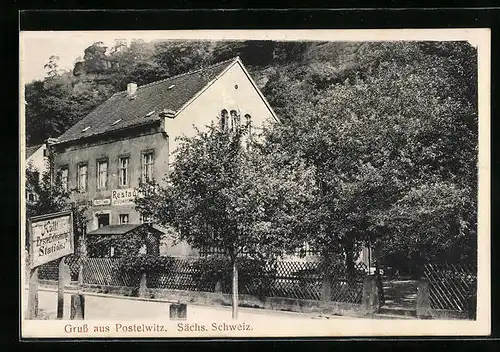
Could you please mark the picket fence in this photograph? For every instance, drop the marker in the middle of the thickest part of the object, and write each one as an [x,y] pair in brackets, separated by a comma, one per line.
[452,286]
[285,279]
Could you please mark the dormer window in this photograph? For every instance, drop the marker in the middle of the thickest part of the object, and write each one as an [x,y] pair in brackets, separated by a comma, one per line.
[224,120]
[114,123]
[86,129]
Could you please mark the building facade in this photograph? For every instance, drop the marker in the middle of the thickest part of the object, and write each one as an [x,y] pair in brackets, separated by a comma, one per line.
[37,158]
[37,163]
[130,137]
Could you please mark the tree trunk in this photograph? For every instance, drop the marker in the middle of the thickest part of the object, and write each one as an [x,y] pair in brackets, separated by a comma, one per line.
[380,285]
[235,291]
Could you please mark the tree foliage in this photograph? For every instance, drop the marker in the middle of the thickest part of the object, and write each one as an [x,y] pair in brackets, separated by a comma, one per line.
[224,193]
[394,144]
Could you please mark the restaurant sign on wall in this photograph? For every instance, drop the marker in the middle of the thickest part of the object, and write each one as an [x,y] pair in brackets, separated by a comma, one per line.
[123,196]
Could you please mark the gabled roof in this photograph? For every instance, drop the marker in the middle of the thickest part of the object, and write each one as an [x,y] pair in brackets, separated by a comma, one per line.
[121,111]
[32,149]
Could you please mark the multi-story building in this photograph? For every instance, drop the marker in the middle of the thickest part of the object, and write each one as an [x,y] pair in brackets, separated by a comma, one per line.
[130,137]
[37,158]
[37,163]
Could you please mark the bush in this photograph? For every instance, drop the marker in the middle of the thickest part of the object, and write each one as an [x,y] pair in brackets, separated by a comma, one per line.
[140,263]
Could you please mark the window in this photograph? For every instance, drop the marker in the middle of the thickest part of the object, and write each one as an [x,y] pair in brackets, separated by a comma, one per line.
[102,220]
[235,119]
[63,172]
[123,218]
[123,171]
[248,121]
[82,177]
[31,197]
[224,120]
[147,166]
[102,174]
[146,219]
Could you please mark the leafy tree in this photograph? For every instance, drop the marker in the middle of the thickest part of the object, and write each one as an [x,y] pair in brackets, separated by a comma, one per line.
[176,57]
[52,66]
[395,149]
[225,193]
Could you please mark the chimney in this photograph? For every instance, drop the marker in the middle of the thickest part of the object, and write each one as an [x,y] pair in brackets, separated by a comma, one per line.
[167,113]
[51,141]
[131,88]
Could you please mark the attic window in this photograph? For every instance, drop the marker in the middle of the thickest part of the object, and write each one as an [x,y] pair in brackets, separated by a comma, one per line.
[114,123]
[172,86]
[150,113]
[86,129]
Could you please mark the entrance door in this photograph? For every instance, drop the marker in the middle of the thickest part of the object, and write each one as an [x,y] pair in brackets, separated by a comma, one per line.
[102,220]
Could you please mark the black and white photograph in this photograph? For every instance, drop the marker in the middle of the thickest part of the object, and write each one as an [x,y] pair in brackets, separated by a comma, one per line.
[255,183]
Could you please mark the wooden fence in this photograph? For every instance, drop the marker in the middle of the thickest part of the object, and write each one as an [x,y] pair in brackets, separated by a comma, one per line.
[50,270]
[452,286]
[286,279]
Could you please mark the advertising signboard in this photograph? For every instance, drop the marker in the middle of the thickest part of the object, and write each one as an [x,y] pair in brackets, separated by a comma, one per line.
[103,201]
[51,237]
[123,196]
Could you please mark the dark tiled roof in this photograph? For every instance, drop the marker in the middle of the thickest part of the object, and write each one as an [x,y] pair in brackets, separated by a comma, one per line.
[114,229]
[121,229]
[32,149]
[154,96]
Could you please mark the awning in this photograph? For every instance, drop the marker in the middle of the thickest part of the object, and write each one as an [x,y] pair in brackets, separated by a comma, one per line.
[119,229]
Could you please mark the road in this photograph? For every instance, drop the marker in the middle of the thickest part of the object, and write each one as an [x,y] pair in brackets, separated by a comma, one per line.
[100,306]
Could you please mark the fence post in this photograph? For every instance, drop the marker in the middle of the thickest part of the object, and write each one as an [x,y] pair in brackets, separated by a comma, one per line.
[326,287]
[218,287]
[62,282]
[80,282]
[33,294]
[370,298]
[472,306]
[77,307]
[423,300]
[143,285]
[178,311]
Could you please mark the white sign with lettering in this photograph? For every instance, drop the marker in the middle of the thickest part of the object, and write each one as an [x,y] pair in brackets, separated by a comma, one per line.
[51,237]
[104,201]
[123,196]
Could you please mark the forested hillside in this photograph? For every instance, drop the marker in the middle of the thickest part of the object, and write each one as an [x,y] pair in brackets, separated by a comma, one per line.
[390,128]
[289,73]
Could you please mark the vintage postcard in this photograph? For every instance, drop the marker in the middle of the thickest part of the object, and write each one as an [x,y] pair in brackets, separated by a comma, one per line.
[263,183]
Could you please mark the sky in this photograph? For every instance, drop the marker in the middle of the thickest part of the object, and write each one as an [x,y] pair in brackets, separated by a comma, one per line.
[37,47]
